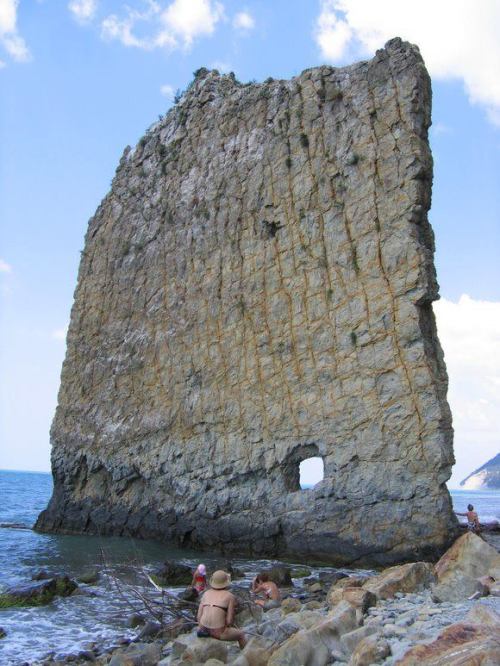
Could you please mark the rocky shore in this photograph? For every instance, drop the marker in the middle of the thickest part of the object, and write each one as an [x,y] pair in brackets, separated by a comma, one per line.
[415,613]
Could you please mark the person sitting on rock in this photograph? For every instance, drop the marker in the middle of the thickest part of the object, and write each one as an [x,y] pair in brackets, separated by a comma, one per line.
[216,611]
[199,582]
[261,584]
[472,519]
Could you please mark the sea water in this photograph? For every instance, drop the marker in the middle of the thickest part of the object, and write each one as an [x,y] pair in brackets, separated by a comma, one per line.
[68,625]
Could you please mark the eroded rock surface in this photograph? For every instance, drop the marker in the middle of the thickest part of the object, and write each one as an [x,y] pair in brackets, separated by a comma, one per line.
[256,289]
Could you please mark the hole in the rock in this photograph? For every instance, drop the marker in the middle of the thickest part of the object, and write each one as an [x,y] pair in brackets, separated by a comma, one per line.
[311,471]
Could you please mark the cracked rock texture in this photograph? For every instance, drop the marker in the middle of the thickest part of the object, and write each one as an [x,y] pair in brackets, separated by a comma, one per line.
[256,289]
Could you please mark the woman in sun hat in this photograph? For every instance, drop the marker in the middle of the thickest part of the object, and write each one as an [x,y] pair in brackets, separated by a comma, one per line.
[216,611]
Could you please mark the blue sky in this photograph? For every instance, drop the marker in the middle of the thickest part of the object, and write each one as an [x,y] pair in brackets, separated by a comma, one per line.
[82,79]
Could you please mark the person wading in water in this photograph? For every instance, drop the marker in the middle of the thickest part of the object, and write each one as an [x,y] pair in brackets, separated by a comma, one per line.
[216,611]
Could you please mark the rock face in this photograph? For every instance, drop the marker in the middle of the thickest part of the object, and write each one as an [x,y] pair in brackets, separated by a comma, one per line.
[256,289]
[486,476]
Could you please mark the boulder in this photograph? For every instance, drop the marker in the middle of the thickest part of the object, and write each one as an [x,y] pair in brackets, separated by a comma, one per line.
[248,613]
[351,581]
[459,644]
[351,640]
[137,654]
[411,577]
[359,597]
[459,569]
[371,650]
[3,633]
[172,573]
[313,605]
[483,614]
[190,648]
[313,647]
[281,575]
[290,605]
[65,586]
[331,577]
[257,651]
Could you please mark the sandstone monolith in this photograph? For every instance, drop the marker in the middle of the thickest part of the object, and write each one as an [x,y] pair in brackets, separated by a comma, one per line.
[256,289]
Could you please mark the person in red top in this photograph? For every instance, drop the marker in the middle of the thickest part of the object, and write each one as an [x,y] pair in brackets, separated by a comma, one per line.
[199,582]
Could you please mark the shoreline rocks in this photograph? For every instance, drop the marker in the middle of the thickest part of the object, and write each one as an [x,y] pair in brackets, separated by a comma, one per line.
[391,618]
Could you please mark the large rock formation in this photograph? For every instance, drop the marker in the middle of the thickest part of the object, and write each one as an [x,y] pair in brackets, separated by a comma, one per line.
[256,289]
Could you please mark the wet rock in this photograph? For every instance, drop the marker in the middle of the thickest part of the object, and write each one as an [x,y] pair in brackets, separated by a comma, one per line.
[172,573]
[459,645]
[137,654]
[3,633]
[135,620]
[89,577]
[86,655]
[404,578]
[461,566]
[65,586]
[29,594]
[371,650]
[42,574]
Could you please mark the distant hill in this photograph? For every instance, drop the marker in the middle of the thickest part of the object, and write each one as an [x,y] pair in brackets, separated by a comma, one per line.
[486,476]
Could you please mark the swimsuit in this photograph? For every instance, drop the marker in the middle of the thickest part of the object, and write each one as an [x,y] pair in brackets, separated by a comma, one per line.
[200,583]
[213,633]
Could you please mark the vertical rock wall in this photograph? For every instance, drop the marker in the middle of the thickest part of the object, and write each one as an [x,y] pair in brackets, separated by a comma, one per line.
[255,289]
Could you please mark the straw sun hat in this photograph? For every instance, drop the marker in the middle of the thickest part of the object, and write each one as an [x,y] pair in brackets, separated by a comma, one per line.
[220,580]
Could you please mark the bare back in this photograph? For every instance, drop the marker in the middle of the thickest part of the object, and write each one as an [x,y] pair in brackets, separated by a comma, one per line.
[216,609]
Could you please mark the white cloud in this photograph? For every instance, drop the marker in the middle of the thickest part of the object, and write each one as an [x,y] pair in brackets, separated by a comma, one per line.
[5,267]
[458,38]
[244,21]
[178,25]
[10,39]
[60,334]
[167,91]
[221,66]
[470,336]
[83,10]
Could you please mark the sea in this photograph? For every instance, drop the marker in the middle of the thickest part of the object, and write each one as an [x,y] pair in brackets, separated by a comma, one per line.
[99,616]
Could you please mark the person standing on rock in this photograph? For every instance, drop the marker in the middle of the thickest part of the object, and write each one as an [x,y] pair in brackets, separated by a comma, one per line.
[269,589]
[216,611]
[199,582]
[472,519]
